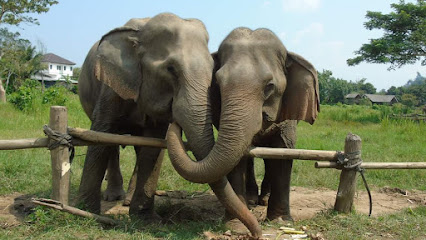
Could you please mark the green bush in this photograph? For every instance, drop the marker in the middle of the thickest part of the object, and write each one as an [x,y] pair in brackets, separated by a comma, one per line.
[55,95]
[24,97]
[28,96]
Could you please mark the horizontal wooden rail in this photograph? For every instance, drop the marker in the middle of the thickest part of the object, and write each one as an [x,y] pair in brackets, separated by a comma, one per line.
[287,153]
[23,143]
[109,138]
[378,165]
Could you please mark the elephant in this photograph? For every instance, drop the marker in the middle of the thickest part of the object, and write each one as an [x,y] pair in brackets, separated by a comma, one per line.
[136,80]
[257,84]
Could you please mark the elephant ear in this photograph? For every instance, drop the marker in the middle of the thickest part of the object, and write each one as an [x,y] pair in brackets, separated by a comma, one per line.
[117,64]
[301,98]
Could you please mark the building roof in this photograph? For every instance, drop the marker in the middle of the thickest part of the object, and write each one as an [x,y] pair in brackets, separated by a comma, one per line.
[353,95]
[50,57]
[375,98]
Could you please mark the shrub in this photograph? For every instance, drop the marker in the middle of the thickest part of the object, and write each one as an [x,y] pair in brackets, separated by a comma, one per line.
[55,95]
[28,96]
[23,98]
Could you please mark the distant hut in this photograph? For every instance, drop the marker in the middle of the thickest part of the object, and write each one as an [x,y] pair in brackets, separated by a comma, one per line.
[381,99]
[353,98]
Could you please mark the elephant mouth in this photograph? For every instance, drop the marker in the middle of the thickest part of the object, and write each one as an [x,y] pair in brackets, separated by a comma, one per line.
[267,121]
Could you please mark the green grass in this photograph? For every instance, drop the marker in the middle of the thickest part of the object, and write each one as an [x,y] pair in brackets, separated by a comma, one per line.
[29,172]
[387,141]
[407,224]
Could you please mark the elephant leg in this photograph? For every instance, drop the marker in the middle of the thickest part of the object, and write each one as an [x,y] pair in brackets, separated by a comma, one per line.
[238,180]
[278,173]
[114,190]
[95,165]
[252,189]
[149,162]
[132,184]
[279,200]
[265,189]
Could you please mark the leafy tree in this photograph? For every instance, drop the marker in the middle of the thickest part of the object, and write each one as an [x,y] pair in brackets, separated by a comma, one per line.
[332,90]
[76,72]
[413,88]
[409,100]
[18,59]
[362,87]
[404,39]
[14,12]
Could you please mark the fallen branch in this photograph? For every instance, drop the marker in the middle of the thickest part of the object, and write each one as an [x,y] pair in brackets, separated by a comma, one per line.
[65,208]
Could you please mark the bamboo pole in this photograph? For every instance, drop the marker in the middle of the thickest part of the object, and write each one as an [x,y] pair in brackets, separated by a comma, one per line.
[109,138]
[287,153]
[65,208]
[378,165]
[60,156]
[347,184]
[15,144]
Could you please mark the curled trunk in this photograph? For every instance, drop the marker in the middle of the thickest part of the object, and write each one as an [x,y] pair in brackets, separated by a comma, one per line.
[222,188]
[232,143]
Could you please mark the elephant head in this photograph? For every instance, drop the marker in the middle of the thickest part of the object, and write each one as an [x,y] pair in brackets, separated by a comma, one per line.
[259,82]
[162,64]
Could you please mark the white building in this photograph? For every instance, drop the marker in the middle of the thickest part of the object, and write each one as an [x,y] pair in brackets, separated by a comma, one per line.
[58,69]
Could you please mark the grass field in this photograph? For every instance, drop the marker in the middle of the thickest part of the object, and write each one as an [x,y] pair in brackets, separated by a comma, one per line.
[29,171]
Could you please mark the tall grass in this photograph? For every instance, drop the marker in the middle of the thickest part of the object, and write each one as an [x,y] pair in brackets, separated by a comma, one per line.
[383,140]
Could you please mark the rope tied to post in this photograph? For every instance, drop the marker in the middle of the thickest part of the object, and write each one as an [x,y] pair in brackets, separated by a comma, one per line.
[57,139]
[353,161]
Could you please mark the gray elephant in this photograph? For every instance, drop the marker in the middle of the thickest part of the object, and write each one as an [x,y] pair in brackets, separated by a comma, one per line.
[259,83]
[136,80]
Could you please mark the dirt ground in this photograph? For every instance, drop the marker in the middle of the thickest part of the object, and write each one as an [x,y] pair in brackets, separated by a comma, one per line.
[180,205]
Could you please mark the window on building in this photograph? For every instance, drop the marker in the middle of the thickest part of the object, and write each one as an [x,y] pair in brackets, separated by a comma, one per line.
[70,68]
[50,66]
[65,68]
[59,67]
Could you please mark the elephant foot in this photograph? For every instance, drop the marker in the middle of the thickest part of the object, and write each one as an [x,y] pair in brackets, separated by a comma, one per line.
[285,220]
[114,194]
[263,199]
[252,198]
[89,201]
[237,227]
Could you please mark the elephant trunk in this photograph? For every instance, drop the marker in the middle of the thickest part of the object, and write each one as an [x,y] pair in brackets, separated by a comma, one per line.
[233,141]
[238,124]
[222,188]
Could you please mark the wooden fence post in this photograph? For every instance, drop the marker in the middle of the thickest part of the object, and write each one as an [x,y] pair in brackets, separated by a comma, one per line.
[347,185]
[60,156]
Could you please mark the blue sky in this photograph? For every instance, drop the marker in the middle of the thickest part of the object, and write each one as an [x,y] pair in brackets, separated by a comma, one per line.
[326,32]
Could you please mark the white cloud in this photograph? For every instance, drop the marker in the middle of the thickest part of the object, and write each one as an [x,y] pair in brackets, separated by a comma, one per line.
[300,5]
[282,36]
[313,30]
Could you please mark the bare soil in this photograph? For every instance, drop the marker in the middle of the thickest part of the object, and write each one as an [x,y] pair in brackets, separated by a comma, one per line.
[176,206]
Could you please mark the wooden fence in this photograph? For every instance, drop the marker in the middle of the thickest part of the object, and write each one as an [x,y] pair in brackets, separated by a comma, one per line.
[59,140]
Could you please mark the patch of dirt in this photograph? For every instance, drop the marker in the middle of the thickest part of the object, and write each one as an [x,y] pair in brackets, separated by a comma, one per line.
[178,206]
[13,209]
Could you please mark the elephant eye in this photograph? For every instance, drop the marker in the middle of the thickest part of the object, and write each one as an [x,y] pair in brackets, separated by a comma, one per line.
[269,89]
[172,71]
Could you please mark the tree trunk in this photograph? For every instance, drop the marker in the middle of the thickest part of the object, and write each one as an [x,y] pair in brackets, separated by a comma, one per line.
[2,93]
